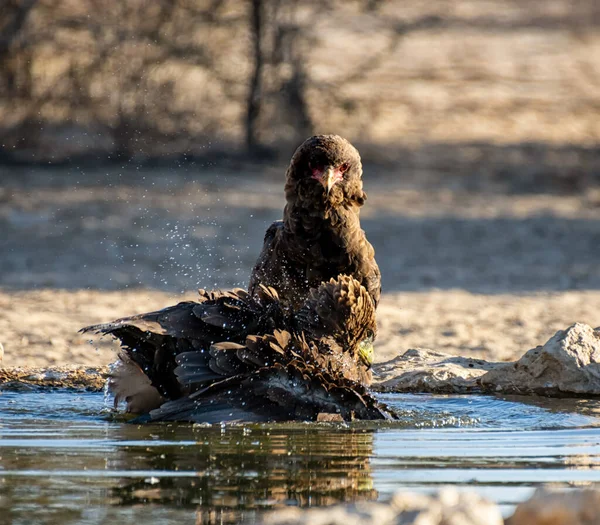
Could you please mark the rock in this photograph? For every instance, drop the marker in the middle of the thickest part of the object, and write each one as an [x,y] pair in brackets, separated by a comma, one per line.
[324,417]
[421,370]
[569,363]
[550,507]
[447,507]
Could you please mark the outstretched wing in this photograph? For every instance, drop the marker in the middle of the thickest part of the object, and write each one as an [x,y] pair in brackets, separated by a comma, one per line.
[153,340]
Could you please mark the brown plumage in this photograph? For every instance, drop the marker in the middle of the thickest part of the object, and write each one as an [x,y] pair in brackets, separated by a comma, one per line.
[320,235]
[317,368]
[236,356]
[276,377]
[151,341]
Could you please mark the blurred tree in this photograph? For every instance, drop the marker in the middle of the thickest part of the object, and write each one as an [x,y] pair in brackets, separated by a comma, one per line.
[15,62]
[13,17]
[255,92]
[149,78]
[277,88]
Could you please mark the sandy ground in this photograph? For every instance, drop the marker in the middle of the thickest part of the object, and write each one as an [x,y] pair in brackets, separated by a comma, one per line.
[481,273]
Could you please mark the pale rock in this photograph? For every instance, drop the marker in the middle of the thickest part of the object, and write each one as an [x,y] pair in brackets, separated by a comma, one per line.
[360,513]
[422,370]
[447,507]
[550,507]
[569,363]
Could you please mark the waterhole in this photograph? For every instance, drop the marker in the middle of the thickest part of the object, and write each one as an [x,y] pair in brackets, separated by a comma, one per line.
[66,458]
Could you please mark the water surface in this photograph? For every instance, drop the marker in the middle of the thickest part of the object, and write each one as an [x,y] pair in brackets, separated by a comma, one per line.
[65,458]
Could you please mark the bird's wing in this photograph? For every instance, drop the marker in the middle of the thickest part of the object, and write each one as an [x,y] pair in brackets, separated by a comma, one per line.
[278,376]
[198,369]
[292,391]
[152,340]
[173,321]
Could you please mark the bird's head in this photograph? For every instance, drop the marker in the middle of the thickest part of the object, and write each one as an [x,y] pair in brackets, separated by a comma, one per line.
[326,169]
[341,309]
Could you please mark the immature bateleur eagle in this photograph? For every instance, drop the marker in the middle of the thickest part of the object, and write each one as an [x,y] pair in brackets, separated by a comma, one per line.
[233,356]
[320,235]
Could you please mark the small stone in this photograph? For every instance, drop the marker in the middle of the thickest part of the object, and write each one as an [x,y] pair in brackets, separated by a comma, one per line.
[447,507]
[324,417]
[361,513]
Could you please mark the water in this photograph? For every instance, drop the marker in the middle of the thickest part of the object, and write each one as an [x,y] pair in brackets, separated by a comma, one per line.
[64,458]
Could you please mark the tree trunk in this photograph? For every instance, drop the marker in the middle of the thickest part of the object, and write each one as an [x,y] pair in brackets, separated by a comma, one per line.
[256,84]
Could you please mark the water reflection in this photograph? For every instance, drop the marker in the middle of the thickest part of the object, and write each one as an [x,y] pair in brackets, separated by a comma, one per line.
[249,468]
[63,460]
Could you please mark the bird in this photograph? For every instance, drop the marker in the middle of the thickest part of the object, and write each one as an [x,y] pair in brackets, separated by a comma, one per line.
[235,356]
[320,235]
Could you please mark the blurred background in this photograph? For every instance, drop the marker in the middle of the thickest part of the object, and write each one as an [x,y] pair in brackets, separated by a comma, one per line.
[146,79]
[143,146]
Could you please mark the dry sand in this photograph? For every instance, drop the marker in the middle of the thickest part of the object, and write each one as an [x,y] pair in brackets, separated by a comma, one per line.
[478,273]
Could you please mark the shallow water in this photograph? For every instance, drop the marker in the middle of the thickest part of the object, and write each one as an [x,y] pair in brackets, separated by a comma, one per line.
[64,458]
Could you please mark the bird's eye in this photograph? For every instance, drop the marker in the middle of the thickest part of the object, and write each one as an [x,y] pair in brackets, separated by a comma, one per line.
[344,167]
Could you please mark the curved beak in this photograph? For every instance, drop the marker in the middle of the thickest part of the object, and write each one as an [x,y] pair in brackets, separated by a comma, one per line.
[329,179]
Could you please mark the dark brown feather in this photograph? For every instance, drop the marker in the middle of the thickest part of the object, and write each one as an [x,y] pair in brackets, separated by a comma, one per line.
[298,374]
[293,390]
